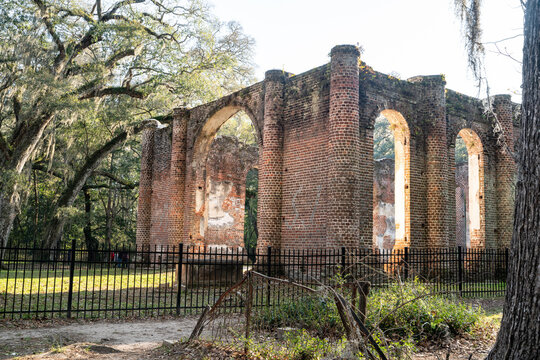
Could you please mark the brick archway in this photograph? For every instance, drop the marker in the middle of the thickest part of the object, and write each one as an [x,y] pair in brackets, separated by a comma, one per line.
[401,178]
[212,185]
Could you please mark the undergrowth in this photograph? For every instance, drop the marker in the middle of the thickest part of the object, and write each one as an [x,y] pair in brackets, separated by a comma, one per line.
[400,316]
[318,315]
[410,310]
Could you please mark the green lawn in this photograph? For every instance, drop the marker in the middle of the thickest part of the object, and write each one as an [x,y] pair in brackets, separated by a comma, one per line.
[102,291]
[105,292]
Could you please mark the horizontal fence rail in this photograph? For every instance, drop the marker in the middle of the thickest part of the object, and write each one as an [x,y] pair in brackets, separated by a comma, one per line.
[161,280]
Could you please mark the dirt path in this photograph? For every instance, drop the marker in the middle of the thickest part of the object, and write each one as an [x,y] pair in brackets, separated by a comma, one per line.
[137,336]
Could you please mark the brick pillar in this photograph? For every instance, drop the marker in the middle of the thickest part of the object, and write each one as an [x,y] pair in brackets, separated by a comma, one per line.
[506,170]
[144,210]
[271,162]
[344,174]
[433,112]
[177,177]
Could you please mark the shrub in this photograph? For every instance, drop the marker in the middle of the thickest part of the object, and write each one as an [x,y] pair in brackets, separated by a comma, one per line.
[409,310]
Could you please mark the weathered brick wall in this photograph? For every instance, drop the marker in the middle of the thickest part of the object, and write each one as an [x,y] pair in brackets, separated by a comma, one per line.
[384,230]
[462,196]
[144,209]
[315,138]
[228,163]
[177,179]
[432,111]
[344,152]
[271,164]
[160,184]
[505,169]
[305,160]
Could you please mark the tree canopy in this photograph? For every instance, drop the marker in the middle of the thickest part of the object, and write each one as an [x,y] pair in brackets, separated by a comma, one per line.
[77,78]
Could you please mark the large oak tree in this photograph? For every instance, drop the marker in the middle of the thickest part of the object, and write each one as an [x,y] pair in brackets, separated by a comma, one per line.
[519,335]
[115,62]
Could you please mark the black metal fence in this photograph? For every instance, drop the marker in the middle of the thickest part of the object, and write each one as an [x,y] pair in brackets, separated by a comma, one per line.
[104,283]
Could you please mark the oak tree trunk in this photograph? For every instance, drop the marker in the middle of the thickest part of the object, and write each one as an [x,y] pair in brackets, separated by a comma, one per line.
[8,211]
[519,335]
[13,164]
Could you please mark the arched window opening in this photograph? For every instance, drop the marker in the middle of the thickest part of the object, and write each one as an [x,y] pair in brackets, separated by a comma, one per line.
[391,193]
[469,175]
[221,186]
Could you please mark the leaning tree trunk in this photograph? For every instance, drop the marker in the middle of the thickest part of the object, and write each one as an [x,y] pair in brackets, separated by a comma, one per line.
[8,211]
[12,165]
[519,335]
[55,229]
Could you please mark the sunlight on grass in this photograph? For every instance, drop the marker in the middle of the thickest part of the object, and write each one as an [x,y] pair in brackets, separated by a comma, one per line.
[19,284]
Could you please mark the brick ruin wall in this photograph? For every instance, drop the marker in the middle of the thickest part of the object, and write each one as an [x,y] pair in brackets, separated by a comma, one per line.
[384,225]
[228,163]
[316,168]
[462,197]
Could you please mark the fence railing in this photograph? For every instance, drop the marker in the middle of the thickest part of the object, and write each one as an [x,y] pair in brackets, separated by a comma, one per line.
[147,281]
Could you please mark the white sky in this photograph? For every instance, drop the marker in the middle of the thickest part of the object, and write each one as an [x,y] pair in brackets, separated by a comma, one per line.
[404,37]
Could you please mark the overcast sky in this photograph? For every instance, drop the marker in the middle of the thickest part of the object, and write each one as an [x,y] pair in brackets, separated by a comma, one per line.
[399,37]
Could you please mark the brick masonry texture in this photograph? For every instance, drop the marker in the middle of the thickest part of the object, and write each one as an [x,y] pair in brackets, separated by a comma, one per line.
[384,226]
[271,164]
[229,161]
[462,197]
[316,168]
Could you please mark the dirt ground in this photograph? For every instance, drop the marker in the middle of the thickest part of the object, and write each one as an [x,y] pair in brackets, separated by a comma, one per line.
[131,339]
[145,339]
[62,340]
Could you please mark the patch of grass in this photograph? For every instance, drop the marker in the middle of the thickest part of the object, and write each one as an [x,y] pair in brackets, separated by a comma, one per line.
[98,292]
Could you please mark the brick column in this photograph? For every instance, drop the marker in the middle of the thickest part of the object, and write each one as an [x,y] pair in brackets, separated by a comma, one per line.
[506,170]
[144,209]
[433,111]
[271,162]
[344,175]
[177,177]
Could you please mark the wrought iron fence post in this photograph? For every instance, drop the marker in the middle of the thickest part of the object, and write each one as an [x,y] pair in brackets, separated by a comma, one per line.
[406,263]
[179,277]
[71,275]
[460,271]
[343,261]
[249,305]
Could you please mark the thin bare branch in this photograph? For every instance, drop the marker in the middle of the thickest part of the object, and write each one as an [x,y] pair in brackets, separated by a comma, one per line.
[505,39]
